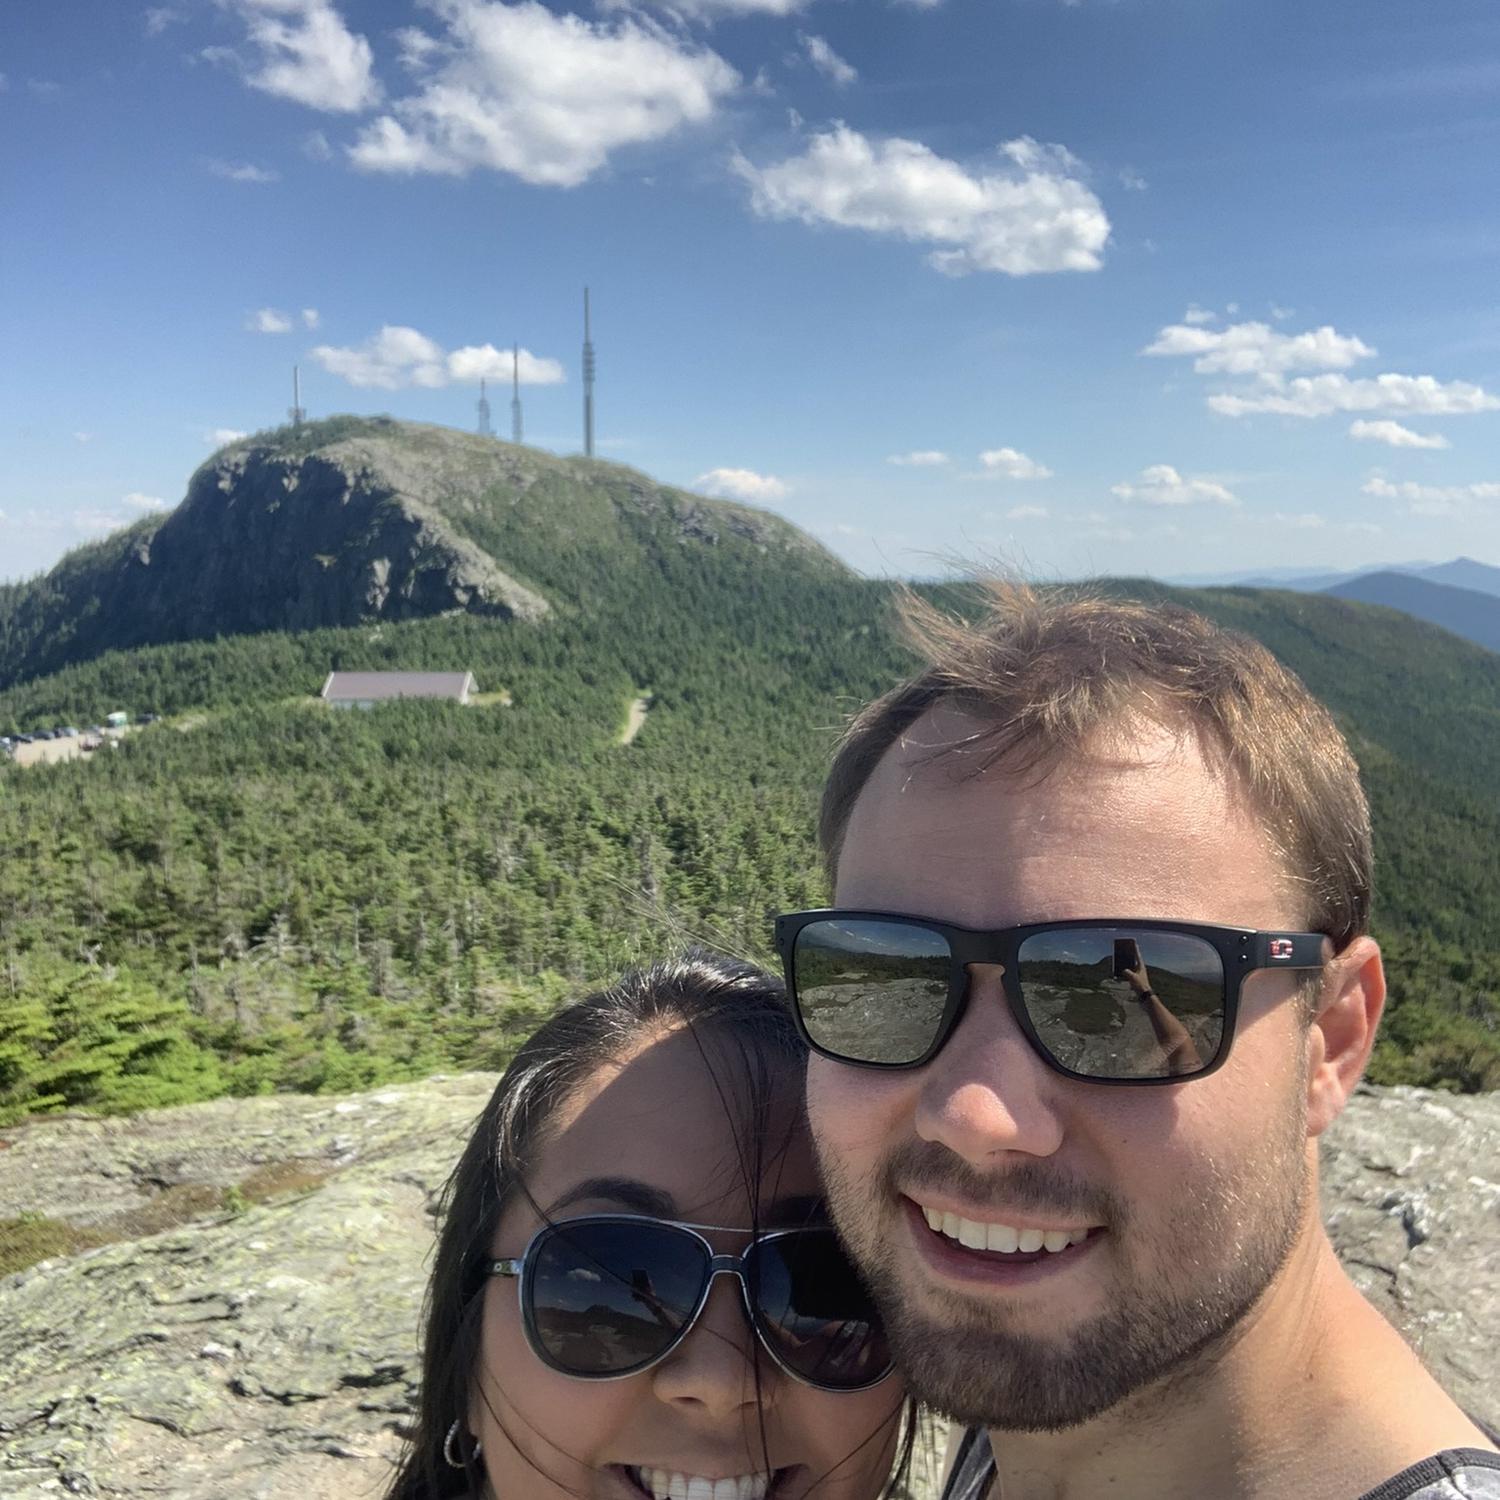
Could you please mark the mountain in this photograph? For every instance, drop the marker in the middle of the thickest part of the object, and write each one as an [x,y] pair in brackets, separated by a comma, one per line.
[359,520]
[1463,573]
[256,894]
[1466,612]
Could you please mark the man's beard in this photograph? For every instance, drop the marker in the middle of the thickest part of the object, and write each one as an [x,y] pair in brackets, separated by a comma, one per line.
[1178,1293]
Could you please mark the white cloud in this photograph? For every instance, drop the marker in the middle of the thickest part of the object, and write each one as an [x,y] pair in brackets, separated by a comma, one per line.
[92,522]
[399,357]
[1026,513]
[1280,313]
[1197,316]
[159,17]
[83,437]
[1432,499]
[1008,463]
[315,146]
[1132,181]
[1321,395]
[713,10]
[923,458]
[217,437]
[308,55]
[740,484]
[137,501]
[1026,217]
[310,317]
[1161,484]
[1395,435]
[827,61]
[1258,349]
[547,98]
[268,320]
[1307,520]
[44,88]
[242,171]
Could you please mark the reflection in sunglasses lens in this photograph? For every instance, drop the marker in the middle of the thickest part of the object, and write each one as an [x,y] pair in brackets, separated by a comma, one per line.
[869,990]
[606,1298]
[815,1312]
[1124,1003]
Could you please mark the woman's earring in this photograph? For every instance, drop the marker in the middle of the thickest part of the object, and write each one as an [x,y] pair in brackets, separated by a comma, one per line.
[456,1463]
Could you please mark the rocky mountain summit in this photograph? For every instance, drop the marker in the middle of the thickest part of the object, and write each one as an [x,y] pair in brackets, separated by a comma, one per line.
[354,520]
[268,1349]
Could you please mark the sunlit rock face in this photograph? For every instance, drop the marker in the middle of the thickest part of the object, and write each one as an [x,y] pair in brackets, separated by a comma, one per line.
[265,1343]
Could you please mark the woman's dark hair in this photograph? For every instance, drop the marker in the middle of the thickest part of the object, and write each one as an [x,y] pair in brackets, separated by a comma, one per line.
[700,991]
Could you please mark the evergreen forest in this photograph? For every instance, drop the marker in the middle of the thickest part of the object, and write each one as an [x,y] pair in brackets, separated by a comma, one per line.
[259,893]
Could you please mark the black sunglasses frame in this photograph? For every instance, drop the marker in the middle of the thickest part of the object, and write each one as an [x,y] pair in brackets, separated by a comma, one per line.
[1242,951]
[523,1268]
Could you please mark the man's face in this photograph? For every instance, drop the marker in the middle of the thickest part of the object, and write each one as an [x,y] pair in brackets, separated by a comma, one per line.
[1191,1195]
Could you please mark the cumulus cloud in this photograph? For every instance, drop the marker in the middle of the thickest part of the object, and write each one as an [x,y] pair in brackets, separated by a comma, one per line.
[159,17]
[740,484]
[398,357]
[1322,395]
[544,97]
[137,501]
[1307,520]
[1258,349]
[1032,214]
[218,436]
[714,10]
[310,317]
[1026,513]
[307,54]
[1009,463]
[83,437]
[1197,316]
[827,61]
[268,320]
[1394,434]
[1161,484]
[1132,181]
[1432,499]
[923,458]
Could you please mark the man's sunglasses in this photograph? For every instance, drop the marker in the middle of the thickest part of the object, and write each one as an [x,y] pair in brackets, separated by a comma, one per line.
[1110,1000]
[610,1295]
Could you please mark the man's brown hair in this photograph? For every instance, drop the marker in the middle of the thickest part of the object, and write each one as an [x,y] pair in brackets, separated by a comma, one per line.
[1055,671]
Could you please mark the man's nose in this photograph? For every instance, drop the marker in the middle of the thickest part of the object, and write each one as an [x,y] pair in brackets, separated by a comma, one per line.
[711,1373]
[987,1092]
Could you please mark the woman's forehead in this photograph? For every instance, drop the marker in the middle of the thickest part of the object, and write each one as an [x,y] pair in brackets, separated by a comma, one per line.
[676,1114]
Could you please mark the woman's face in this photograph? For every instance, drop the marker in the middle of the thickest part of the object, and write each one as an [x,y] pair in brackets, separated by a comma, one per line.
[653,1134]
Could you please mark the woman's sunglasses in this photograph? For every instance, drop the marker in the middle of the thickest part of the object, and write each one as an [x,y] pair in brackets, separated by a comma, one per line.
[610,1295]
[1105,999]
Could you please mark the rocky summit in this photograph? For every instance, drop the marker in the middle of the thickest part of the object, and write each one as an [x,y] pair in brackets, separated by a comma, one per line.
[267,1348]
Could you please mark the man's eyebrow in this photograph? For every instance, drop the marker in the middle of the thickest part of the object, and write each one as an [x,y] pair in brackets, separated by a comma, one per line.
[636,1196]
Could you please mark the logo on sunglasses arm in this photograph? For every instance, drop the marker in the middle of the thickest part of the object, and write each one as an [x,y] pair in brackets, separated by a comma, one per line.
[1281,948]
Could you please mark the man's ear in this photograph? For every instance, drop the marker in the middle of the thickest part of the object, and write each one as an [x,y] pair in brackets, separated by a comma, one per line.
[1342,1031]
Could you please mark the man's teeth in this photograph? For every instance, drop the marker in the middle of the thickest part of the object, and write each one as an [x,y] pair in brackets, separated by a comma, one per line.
[666,1485]
[976,1236]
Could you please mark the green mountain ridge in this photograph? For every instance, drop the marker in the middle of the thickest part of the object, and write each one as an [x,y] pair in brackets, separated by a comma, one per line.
[259,894]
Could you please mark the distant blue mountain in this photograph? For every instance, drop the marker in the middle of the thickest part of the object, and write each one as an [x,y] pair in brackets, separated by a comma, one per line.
[1467,612]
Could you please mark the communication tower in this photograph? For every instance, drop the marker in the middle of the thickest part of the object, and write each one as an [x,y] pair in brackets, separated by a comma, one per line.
[588,381]
[484,411]
[515,395]
[297,412]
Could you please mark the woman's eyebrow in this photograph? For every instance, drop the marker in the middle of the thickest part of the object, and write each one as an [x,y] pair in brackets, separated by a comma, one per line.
[637,1196]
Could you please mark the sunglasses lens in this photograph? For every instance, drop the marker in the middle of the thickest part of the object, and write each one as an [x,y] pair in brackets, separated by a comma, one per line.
[815,1313]
[871,991]
[608,1297]
[1084,992]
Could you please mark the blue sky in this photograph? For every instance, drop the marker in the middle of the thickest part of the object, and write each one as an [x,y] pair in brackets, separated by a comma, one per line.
[1146,286]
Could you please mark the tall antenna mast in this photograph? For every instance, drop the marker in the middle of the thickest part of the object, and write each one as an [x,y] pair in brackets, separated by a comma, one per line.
[297,412]
[515,395]
[588,381]
[484,411]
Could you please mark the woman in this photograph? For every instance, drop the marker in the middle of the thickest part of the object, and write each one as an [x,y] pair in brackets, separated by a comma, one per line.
[635,1292]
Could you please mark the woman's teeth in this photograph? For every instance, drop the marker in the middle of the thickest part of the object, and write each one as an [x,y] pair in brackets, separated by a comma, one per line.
[666,1485]
[973,1235]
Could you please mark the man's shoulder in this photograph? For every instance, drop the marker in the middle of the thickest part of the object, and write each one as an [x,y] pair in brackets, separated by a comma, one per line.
[1454,1474]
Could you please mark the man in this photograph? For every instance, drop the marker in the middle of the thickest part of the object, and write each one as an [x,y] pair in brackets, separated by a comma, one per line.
[1097,978]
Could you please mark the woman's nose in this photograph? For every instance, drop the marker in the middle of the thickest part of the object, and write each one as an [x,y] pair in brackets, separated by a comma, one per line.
[714,1368]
